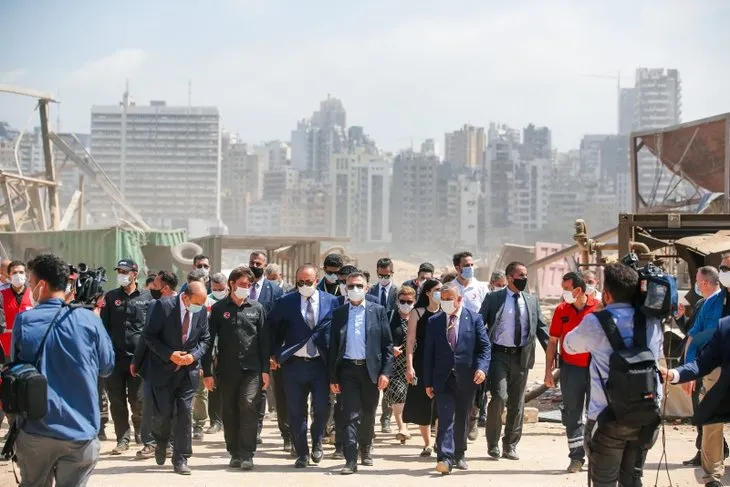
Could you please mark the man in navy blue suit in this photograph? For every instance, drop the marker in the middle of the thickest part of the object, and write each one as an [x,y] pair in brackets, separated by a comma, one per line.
[300,325]
[177,334]
[455,361]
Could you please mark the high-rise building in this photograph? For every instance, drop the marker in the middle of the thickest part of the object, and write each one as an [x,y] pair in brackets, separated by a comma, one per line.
[590,157]
[166,160]
[536,143]
[461,218]
[465,147]
[278,182]
[414,211]
[360,197]
[626,109]
[306,209]
[658,105]
[315,140]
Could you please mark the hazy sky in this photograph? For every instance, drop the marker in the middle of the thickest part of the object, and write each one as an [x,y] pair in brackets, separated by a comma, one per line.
[403,68]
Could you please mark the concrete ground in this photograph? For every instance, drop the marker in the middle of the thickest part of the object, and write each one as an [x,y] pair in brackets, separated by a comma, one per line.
[543,452]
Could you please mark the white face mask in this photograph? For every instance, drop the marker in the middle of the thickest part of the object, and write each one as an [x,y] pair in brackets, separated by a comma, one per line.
[590,288]
[219,294]
[307,291]
[68,289]
[568,297]
[331,278]
[498,288]
[33,300]
[206,272]
[448,307]
[384,282]
[242,292]
[123,280]
[343,289]
[18,280]
[725,278]
[405,308]
[356,295]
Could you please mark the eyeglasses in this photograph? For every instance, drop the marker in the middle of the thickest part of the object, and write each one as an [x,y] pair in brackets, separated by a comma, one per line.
[202,266]
[405,301]
[358,286]
[304,283]
[724,268]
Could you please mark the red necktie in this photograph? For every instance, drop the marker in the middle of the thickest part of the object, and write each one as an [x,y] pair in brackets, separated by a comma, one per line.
[451,332]
[185,326]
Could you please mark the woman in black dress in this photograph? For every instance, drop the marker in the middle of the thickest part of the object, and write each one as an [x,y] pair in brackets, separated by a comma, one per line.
[419,406]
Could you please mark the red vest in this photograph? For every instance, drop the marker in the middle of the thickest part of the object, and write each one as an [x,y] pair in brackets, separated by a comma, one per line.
[11,308]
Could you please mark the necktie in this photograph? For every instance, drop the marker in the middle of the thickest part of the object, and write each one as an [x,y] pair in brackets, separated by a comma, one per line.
[252,296]
[383,297]
[451,332]
[311,347]
[185,326]
[518,322]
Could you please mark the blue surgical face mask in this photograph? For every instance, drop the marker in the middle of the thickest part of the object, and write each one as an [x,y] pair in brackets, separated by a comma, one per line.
[436,296]
[467,272]
[697,289]
[194,308]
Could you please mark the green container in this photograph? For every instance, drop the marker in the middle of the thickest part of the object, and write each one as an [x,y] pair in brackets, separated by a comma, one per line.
[98,247]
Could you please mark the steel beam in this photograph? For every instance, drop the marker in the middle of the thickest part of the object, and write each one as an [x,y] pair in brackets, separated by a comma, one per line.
[50,169]
[17,90]
[11,212]
[36,203]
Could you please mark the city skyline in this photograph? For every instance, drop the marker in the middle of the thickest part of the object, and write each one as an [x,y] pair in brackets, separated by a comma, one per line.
[437,67]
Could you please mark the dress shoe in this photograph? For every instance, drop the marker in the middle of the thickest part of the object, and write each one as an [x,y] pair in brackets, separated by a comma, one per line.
[182,469]
[214,428]
[461,464]
[301,462]
[349,468]
[713,483]
[317,453]
[235,463]
[247,464]
[443,467]
[695,461]
[510,454]
[385,427]
[493,451]
[160,455]
[338,455]
[147,452]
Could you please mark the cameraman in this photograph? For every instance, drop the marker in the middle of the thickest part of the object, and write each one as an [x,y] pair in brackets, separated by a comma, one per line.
[616,451]
[62,445]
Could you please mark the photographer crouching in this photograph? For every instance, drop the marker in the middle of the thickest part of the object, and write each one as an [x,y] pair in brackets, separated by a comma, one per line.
[69,346]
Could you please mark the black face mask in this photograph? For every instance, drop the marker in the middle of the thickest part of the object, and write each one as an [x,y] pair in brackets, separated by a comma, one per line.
[257,272]
[156,293]
[520,284]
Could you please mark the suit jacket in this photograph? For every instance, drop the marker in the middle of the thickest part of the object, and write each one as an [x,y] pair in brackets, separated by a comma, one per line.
[290,332]
[163,335]
[392,294]
[322,286]
[491,312]
[379,343]
[268,295]
[473,350]
[715,406]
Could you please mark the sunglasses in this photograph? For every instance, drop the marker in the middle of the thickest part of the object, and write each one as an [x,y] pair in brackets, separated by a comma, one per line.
[724,268]
[384,276]
[202,266]
[358,286]
[304,283]
[405,301]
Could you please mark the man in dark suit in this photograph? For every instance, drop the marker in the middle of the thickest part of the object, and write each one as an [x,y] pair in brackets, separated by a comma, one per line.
[332,269]
[300,326]
[177,334]
[513,319]
[714,408]
[360,364]
[264,292]
[455,362]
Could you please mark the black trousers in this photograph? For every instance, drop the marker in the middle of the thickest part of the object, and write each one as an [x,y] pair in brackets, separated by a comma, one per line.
[359,398]
[507,380]
[241,399]
[173,403]
[214,406]
[282,407]
[121,389]
[617,453]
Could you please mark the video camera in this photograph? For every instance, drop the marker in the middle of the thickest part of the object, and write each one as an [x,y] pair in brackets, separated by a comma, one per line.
[657,293]
[88,284]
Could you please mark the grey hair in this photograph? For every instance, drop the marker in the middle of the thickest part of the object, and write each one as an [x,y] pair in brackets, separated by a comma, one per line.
[588,274]
[452,286]
[197,275]
[711,274]
[496,275]
[272,269]
[219,278]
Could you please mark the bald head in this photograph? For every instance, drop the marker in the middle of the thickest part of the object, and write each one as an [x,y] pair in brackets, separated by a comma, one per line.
[195,294]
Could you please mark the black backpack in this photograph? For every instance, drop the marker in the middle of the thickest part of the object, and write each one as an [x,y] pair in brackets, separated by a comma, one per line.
[632,384]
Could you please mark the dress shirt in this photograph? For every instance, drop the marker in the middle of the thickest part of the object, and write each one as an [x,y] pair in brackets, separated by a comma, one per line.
[182,318]
[504,335]
[302,352]
[356,341]
[457,323]
[473,294]
[589,337]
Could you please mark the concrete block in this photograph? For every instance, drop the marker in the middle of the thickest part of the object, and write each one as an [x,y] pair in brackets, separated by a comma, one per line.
[530,415]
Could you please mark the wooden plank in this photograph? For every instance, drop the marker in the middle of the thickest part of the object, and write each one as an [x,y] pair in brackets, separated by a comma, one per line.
[50,169]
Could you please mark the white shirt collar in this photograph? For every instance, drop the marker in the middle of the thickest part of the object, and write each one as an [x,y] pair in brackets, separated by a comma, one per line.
[315,298]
